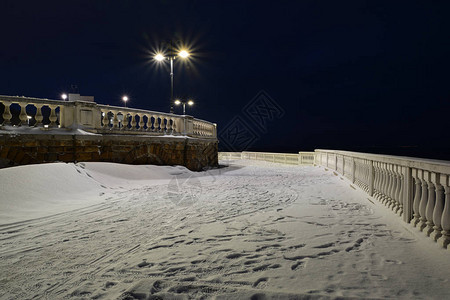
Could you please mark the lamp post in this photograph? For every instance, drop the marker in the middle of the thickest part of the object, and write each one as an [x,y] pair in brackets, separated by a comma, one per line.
[64,97]
[189,102]
[171,56]
[125,99]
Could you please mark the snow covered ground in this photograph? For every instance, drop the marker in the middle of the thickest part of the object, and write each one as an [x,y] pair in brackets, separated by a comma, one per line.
[250,230]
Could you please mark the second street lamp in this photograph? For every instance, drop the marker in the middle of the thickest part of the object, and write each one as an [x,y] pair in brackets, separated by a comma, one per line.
[189,102]
[172,54]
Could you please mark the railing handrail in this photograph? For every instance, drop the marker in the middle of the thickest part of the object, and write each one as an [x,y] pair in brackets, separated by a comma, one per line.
[135,110]
[440,166]
[271,153]
[17,99]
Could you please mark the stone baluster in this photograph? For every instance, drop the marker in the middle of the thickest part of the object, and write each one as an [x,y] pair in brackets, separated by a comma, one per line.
[38,117]
[169,125]
[149,123]
[400,188]
[444,240]
[125,121]
[407,194]
[7,116]
[133,122]
[357,173]
[165,124]
[417,195]
[141,122]
[382,183]
[362,174]
[105,120]
[394,202]
[384,197]
[53,118]
[343,166]
[397,182]
[438,208]
[153,123]
[174,126]
[380,194]
[377,180]
[369,177]
[388,185]
[159,126]
[431,203]
[115,120]
[423,200]
[393,190]
[23,117]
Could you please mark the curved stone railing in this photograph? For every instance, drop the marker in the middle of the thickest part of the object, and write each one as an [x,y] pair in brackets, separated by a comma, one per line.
[97,118]
[302,158]
[416,189]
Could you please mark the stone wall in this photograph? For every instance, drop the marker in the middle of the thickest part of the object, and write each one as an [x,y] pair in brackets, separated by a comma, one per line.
[194,153]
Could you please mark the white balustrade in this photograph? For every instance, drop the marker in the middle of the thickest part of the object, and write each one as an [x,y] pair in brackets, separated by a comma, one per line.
[303,158]
[416,189]
[97,118]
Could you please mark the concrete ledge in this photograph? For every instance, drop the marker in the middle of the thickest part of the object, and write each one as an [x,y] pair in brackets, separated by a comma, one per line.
[194,153]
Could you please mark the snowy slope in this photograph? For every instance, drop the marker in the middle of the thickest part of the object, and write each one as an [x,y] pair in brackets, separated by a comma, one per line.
[252,230]
[35,191]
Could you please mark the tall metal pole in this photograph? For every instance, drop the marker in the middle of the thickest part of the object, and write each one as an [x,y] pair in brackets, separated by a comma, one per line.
[171,84]
[184,108]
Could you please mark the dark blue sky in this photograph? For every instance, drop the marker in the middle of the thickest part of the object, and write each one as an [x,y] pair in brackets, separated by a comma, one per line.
[351,75]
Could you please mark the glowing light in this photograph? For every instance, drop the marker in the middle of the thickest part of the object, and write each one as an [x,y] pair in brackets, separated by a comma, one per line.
[64,96]
[159,57]
[183,54]
[125,98]
[190,102]
[177,102]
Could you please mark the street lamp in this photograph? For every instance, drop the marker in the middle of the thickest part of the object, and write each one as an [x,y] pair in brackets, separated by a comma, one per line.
[125,99]
[189,102]
[64,97]
[172,55]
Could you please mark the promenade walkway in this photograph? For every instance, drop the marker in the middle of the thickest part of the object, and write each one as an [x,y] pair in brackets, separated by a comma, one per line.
[249,229]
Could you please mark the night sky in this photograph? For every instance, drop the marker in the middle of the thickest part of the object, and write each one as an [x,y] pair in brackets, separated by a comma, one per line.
[350,75]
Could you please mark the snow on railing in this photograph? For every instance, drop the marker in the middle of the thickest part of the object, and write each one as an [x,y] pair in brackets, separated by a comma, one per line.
[416,189]
[302,158]
[97,118]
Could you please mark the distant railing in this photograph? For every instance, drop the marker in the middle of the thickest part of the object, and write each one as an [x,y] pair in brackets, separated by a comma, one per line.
[97,118]
[302,158]
[416,189]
